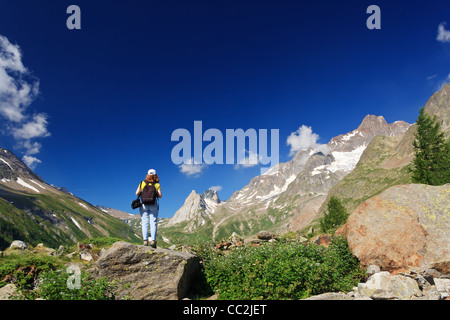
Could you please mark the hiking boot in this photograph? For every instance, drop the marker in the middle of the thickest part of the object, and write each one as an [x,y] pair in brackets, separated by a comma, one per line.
[145,243]
[153,244]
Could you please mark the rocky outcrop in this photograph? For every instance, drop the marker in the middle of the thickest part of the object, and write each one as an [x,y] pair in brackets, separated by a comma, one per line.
[406,226]
[426,285]
[144,273]
[370,127]
[196,209]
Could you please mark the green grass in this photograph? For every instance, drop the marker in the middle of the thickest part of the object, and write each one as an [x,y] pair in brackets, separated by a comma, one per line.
[15,266]
[38,275]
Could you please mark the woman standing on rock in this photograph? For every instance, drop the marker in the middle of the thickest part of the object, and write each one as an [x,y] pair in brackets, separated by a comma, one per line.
[149,191]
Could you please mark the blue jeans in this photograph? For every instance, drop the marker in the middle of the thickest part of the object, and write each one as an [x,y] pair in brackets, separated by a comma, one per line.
[149,214]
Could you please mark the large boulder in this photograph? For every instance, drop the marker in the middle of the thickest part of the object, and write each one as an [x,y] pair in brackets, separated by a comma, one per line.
[405,226]
[144,273]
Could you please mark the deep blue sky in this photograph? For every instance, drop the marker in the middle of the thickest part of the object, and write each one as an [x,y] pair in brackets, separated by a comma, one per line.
[115,90]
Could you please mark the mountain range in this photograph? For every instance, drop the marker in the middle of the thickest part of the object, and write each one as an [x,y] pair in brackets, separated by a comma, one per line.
[292,196]
[36,212]
[289,195]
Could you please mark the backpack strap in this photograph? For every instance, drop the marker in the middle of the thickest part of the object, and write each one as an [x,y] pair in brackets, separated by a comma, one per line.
[140,187]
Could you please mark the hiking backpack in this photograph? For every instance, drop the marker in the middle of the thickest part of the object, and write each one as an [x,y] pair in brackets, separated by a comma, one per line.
[148,194]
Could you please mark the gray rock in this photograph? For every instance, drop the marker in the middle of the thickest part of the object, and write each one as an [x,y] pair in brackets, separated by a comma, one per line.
[86,256]
[265,235]
[383,286]
[18,244]
[7,291]
[442,285]
[60,250]
[331,296]
[430,294]
[144,273]
[372,269]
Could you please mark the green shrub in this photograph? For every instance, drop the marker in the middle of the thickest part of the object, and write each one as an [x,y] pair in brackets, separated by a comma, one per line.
[18,266]
[281,271]
[53,286]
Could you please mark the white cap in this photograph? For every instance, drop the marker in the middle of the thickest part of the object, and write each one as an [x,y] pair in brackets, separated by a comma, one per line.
[152,172]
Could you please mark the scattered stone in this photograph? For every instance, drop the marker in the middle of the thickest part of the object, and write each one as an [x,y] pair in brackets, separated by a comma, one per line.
[443,286]
[223,245]
[235,238]
[384,286]
[265,235]
[86,256]
[302,239]
[60,250]
[331,296]
[322,239]
[372,269]
[18,245]
[7,291]
[40,248]
[82,246]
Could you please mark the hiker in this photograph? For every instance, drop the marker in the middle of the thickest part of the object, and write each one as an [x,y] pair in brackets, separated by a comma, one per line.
[149,191]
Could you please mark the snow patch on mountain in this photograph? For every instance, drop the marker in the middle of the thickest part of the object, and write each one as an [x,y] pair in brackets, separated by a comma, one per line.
[42,187]
[344,161]
[26,185]
[7,163]
[76,223]
[83,205]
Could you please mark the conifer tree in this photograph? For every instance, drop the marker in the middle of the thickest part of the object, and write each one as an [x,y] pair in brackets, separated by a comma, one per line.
[335,216]
[431,164]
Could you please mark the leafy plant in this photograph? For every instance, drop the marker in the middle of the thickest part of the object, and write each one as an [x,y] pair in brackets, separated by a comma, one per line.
[54,286]
[24,268]
[281,271]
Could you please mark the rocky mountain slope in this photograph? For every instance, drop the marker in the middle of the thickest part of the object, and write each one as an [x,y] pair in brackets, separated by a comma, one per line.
[386,160]
[36,212]
[286,197]
[133,220]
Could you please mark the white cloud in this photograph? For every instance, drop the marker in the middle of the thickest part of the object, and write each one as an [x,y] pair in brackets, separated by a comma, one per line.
[216,188]
[34,128]
[31,161]
[251,159]
[192,169]
[443,34]
[18,89]
[304,138]
[16,92]
[32,148]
